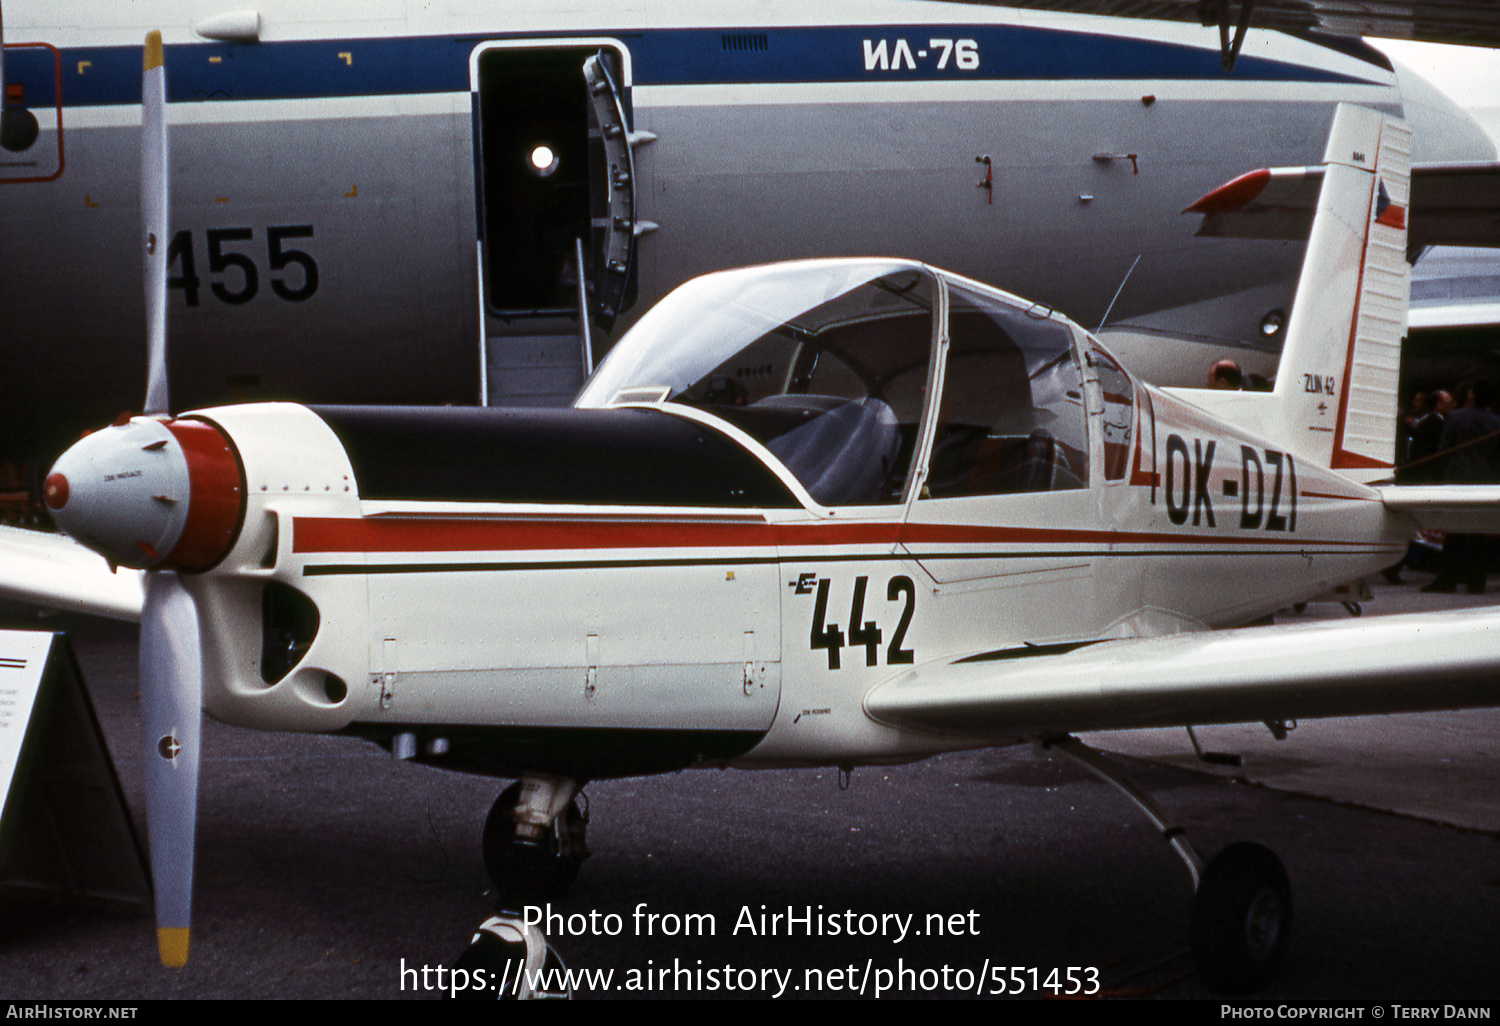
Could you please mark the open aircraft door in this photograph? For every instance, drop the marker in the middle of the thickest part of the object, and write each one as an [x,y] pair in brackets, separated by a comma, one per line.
[612,190]
[555,198]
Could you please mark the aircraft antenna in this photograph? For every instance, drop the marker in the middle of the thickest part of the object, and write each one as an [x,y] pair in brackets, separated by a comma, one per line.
[1111,306]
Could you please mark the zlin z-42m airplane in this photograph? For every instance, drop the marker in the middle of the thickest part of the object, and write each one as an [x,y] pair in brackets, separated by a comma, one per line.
[838,512]
[354,178]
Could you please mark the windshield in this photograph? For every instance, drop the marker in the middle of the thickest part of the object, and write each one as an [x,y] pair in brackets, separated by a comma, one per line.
[824,362]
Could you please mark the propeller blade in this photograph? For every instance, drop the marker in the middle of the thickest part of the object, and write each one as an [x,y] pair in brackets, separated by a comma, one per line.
[154,206]
[171,724]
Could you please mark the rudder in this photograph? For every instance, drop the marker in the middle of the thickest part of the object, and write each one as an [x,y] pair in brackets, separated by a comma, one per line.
[1341,364]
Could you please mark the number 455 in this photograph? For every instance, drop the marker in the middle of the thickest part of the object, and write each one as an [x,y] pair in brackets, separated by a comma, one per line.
[241,276]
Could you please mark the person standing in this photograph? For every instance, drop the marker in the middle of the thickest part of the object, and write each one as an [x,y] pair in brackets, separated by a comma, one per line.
[1426,438]
[1471,434]
[1225,374]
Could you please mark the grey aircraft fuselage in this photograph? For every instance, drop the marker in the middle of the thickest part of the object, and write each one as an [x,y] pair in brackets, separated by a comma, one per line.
[354,218]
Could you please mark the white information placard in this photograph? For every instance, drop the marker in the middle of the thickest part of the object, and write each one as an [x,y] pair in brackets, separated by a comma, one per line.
[23,657]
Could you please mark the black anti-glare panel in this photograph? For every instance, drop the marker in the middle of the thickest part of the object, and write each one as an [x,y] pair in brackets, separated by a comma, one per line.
[604,457]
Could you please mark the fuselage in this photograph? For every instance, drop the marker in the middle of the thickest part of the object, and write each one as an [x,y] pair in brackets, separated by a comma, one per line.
[350,223]
[733,539]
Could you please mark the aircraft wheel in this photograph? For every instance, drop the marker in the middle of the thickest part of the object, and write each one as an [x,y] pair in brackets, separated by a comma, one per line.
[1242,919]
[508,961]
[523,869]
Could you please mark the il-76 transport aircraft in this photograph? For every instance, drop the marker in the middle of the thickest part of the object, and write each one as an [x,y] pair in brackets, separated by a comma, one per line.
[824,513]
[357,175]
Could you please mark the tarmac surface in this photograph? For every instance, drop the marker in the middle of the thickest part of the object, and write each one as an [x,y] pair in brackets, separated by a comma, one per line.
[1443,767]
[326,868]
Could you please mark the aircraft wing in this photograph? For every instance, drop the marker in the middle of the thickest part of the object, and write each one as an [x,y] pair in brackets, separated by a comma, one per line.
[1473,22]
[1388,664]
[1473,509]
[54,571]
[1451,205]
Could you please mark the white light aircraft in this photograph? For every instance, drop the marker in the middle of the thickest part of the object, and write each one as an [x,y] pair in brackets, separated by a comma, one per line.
[838,512]
[353,177]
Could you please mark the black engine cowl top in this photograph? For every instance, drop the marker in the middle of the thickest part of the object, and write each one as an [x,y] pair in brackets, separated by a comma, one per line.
[626,457]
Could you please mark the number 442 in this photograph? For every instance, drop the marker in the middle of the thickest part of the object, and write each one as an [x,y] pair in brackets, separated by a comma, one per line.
[864,633]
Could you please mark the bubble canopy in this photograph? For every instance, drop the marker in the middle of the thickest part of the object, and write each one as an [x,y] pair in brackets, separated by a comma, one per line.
[824,362]
[699,326]
[829,365]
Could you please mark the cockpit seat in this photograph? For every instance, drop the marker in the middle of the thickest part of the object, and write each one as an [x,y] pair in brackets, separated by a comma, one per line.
[845,452]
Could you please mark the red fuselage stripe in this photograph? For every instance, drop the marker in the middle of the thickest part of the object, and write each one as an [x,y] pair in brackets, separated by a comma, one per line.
[329,535]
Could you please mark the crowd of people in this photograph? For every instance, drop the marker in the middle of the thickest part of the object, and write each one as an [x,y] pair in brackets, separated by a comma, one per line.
[1453,438]
[1444,437]
[1443,440]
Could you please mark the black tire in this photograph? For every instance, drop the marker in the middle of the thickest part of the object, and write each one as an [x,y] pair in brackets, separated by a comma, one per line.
[523,870]
[1242,919]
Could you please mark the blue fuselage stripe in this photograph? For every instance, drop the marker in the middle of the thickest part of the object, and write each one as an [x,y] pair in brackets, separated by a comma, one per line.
[308,69]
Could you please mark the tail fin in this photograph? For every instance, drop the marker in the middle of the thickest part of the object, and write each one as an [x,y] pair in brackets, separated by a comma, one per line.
[1335,397]
[1341,362]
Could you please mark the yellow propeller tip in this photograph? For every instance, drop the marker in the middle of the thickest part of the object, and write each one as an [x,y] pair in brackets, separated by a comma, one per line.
[173,942]
[153,50]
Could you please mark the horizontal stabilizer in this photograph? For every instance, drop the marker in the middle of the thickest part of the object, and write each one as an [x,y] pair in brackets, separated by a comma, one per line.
[1471,509]
[54,571]
[1386,664]
[1272,203]
[1451,205]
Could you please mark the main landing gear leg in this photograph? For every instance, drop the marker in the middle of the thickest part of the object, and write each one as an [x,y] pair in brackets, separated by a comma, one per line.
[1242,902]
[533,848]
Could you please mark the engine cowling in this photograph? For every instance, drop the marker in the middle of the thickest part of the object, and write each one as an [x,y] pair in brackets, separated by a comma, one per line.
[151,494]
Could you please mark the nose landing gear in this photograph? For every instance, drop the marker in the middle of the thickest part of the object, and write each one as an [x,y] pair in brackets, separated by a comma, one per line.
[534,839]
[534,844]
